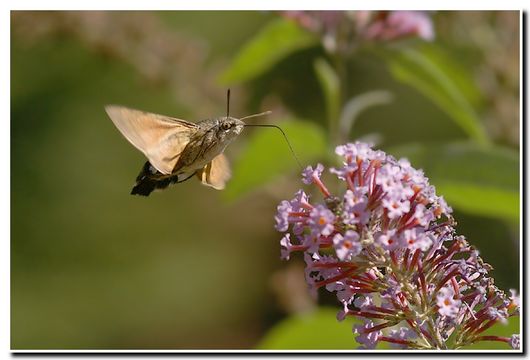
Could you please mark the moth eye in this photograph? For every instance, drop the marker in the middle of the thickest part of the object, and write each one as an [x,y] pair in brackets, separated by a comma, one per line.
[226,126]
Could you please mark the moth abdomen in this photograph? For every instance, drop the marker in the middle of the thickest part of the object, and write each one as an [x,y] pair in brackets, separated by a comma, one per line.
[151,179]
[147,181]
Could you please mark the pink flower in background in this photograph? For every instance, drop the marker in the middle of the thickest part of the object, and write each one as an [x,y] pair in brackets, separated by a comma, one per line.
[316,20]
[394,25]
[342,30]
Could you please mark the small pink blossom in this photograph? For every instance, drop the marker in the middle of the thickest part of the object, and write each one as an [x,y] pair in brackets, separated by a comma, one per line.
[515,341]
[399,24]
[396,207]
[285,242]
[347,246]
[387,239]
[416,238]
[309,175]
[321,221]
[365,336]
[363,302]
[448,305]
[402,334]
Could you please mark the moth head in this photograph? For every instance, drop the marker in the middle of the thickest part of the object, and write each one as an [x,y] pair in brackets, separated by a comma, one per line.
[229,128]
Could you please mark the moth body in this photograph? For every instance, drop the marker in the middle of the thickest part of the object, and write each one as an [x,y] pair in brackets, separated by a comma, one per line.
[177,149]
[209,141]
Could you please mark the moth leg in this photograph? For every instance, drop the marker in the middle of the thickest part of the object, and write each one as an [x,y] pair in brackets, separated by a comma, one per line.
[179,181]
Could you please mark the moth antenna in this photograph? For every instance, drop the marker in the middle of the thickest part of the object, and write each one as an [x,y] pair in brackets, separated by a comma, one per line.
[256,115]
[283,133]
[227,103]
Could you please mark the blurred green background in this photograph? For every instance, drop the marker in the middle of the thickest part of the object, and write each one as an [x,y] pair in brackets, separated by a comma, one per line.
[193,268]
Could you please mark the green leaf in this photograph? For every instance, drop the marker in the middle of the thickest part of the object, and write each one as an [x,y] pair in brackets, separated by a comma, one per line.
[319,329]
[330,84]
[473,179]
[417,70]
[499,329]
[274,42]
[267,155]
[454,69]
[359,103]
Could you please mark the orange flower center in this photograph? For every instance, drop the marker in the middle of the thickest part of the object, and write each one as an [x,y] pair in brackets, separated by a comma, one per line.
[438,211]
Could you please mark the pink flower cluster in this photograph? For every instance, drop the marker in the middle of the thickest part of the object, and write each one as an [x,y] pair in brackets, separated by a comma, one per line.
[392,25]
[388,249]
[359,26]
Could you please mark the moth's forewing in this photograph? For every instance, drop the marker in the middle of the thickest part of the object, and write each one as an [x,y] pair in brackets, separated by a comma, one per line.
[216,173]
[161,138]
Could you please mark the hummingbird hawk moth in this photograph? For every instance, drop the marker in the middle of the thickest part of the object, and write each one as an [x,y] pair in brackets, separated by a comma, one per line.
[177,149]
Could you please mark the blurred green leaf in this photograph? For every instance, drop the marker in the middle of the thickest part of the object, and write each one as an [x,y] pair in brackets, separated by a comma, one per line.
[417,70]
[267,155]
[356,105]
[274,42]
[330,84]
[319,329]
[483,181]
[454,69]
[499,329]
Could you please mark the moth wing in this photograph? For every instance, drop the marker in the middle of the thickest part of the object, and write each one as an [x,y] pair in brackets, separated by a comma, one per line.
[161,138]
[216,173]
